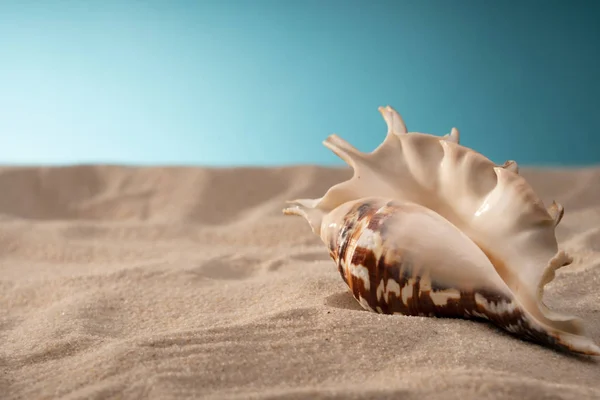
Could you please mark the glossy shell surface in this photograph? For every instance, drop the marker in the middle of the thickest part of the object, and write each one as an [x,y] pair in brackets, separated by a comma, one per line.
[429,227]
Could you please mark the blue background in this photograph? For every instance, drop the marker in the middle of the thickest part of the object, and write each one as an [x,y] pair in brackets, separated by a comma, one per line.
[260,82]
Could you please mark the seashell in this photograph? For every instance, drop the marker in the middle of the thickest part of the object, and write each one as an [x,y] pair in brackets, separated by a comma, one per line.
[429,227]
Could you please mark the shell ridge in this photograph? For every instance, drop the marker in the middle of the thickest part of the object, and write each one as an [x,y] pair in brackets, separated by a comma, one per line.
[524,192]
[415,158]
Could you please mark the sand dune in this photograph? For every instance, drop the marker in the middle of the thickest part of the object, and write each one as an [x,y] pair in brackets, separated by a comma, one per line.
[174,283]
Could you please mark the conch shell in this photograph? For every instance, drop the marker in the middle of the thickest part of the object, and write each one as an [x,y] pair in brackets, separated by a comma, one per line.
[429,227]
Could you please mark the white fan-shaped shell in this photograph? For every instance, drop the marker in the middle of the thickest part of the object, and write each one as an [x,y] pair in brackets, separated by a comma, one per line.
[491,205]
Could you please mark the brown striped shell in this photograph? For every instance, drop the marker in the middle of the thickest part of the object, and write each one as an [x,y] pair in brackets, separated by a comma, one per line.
[429,227]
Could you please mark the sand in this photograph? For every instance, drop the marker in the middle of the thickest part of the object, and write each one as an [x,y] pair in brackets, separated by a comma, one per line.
[176,283]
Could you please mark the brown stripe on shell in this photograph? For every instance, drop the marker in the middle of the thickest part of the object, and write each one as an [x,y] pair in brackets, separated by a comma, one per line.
[397,271]
[363,257]
[338,250]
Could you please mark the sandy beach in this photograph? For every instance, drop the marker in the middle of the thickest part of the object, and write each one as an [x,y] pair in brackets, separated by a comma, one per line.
[177,283]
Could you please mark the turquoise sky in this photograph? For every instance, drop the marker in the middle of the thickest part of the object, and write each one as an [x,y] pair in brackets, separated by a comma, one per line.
[264,82]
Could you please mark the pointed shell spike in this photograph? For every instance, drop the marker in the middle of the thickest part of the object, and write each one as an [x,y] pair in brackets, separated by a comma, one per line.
[394,121]
[342,149]
[556,211]
[512,166]
[453,136]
